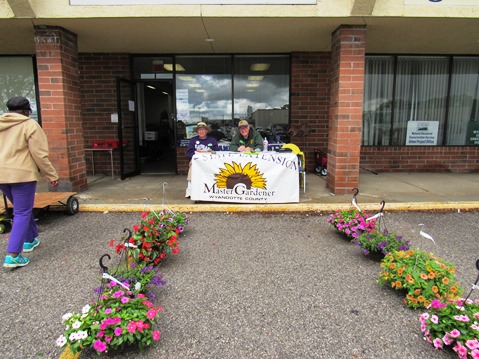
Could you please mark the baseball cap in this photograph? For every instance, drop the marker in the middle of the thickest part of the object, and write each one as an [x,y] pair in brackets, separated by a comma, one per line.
[18,103]
[243,123]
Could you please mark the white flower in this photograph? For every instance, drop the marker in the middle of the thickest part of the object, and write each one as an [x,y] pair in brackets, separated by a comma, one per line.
[84,315]
[67,316]
[73,336]
[137,286]
[85,309]
[61,341]
[82,334]
[76,325]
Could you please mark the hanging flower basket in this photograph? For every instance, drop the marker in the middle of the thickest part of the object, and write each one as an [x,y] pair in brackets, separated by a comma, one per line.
[422,275]
[351,222]
[154,238]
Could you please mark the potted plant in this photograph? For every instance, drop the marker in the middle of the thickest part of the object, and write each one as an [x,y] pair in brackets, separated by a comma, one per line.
[154,238]
[119,318]
[453,324]
[380,242]
[422,275]
[351,222]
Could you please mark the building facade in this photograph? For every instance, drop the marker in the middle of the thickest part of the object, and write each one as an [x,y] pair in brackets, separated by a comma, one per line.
[380,85]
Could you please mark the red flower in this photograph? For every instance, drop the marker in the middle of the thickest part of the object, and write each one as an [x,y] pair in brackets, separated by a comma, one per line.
[136,228]
[111,243]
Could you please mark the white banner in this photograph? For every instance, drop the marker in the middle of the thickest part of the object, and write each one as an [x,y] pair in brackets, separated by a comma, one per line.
[266,177]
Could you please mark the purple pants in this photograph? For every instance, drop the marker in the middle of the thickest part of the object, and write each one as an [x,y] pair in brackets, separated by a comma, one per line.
[24,228]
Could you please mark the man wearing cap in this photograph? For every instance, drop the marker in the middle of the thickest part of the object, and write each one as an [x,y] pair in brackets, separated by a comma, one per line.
[202,142]
[23,156]
[247,140]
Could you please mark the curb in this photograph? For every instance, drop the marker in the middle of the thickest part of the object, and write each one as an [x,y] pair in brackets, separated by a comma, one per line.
[284,208]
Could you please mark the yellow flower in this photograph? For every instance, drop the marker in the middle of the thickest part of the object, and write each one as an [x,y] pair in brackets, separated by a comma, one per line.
[424,276]
[398,284]
[392,265]
[435,289]
[445,280]
[431,275]
[417,291]
[400,270]
[421,299]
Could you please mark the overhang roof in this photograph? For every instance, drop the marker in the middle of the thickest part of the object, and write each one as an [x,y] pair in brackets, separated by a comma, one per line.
[184,30]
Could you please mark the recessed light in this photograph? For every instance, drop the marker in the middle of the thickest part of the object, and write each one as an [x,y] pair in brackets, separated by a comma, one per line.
[260,67]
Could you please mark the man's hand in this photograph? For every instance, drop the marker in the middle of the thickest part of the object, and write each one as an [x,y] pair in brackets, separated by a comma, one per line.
[54,183]
[241,148]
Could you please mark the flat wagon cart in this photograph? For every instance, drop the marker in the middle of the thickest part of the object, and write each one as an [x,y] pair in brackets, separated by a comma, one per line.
[43,202]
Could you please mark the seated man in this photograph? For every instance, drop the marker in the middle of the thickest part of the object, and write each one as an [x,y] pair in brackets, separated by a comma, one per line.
[202,142]
[247,140]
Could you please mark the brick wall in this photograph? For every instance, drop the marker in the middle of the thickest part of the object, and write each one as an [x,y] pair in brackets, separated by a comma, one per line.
[420,159]
[348,46]
[182,162]
[57,69]
[98,74]
[310,88]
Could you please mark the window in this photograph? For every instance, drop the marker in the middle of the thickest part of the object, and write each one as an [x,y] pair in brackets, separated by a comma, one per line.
[221,90]
[203,90]
[261,93]
[463,115]
[421,100]
[17,79]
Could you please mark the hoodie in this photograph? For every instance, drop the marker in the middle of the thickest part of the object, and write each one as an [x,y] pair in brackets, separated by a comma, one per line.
[23,150]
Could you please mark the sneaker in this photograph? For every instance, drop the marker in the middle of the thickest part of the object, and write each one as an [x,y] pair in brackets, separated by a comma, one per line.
[187,193]
[13,262]
[28,246]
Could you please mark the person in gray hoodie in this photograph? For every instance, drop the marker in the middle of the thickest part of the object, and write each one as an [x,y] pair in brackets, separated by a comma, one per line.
[23,156]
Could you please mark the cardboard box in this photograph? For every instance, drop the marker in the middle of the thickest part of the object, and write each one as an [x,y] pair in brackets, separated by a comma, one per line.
[151,135]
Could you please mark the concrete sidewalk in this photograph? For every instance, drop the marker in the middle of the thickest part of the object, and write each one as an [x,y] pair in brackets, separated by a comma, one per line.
[400,191]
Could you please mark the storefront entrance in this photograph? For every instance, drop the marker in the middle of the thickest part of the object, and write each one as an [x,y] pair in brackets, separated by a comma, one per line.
[156,121]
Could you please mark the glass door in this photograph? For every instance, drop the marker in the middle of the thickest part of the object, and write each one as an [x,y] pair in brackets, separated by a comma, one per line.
[127,129]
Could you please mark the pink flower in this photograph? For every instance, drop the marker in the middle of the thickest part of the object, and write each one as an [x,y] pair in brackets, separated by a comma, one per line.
[437,304]
[461,350]
[455,333]
[472,344]
[125,299]
[118,331]
[131,327]
[151,313]
[447,339]
[118,294]
[108,339]
[434,319]
[424,317]
[475,354]
[437,343]
[108,311]
[156,335]
[99,346]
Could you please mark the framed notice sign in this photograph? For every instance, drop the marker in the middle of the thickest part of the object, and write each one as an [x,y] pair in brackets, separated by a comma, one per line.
[422,133]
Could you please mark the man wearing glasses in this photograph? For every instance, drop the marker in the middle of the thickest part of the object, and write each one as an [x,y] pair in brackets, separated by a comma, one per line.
[247,140]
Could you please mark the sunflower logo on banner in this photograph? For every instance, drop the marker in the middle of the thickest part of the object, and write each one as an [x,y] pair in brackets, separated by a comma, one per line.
[234,174]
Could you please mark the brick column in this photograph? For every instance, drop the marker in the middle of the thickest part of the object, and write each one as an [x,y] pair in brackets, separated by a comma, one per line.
[348,45]
[57,67]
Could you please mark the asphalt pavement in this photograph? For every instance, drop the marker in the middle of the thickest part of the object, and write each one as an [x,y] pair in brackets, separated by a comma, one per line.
[245,285]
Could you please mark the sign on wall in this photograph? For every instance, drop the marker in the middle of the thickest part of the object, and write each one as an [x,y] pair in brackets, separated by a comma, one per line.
[422,133]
